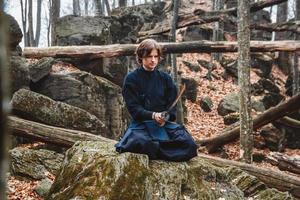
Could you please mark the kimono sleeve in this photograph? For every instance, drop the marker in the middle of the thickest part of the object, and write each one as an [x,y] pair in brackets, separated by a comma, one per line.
[134,102]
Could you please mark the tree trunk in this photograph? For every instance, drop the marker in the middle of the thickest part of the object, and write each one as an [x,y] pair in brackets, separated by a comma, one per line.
[50,134]
[295,56]
[283,57]
[107,7]
[76,8]
[30,24]
[86,7]
[55,13]
[24,21]
[281,110]
[92,52]
[38,23]
[284,162]
[279,180]
[122,3]
[246,137]
[176,4]
[4,100]
[218,27]
[98,7]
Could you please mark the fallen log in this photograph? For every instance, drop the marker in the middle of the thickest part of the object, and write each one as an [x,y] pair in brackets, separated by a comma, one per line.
[50,134]
[293,26]
[284,162]
[203,17]
[268,116]
[91,52]
[272,178]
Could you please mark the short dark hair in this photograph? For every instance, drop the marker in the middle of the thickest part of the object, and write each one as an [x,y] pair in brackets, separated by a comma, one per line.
[145,48]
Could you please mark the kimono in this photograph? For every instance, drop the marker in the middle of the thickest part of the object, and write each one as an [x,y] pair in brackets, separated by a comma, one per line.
[146,92]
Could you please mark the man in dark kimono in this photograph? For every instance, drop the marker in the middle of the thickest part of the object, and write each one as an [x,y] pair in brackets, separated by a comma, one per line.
[149,92]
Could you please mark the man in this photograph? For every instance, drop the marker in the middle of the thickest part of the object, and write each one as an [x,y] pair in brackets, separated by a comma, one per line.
[148,93]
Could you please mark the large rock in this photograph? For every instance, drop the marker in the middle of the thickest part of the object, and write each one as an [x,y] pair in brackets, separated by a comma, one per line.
[34,163]
[197,32]
[93,170]
[40,69]
[94,94]
[15,33]
[100,30]
[41,108]
[19,73]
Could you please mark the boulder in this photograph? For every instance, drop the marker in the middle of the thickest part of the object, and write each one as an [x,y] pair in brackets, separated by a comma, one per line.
[43,187]
[263,62]
[33,163]
[229,104]
[37,107]
[206,104]
[40,69]
[197,32]
[93,170]
[100,30]
[191,89]
[94,94]
[19,73]
[15,33]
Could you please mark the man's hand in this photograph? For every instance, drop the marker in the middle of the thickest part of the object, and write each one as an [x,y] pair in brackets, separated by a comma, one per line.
[159,118]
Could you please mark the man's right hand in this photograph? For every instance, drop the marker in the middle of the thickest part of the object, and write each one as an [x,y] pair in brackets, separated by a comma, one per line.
[159,118]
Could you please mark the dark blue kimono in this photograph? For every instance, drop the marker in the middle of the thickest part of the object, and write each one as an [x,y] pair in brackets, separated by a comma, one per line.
[146,92]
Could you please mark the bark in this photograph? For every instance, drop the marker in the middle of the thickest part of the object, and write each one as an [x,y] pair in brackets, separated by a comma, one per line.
[4,99]
[246,137]
[268,116]
[86,7]
[203,17]
[281,18]
[24,20]
[272,178]
[176,4]
[54,15]
[107,7]
[285,162]
[92,52]
[76,8]
[98,7]
[38,23]
[30,25]
[50,134]
[122,3]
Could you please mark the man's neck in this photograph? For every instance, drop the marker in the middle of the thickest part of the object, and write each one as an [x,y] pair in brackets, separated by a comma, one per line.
[149,70]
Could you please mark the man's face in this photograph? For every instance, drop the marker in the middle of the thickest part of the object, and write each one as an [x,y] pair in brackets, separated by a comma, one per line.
[150,61]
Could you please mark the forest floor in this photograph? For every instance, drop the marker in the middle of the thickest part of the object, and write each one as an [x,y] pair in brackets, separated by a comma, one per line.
[200,124]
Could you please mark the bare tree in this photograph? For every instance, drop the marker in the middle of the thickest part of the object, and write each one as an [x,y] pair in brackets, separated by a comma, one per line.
[54,15]
[246,124]
[86,7]
[76,8]
[295,63]
[98,7]
[24,21]
[107,7]
[33,39]
[4,86]
[38,23]
[122,3]
[176,3]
